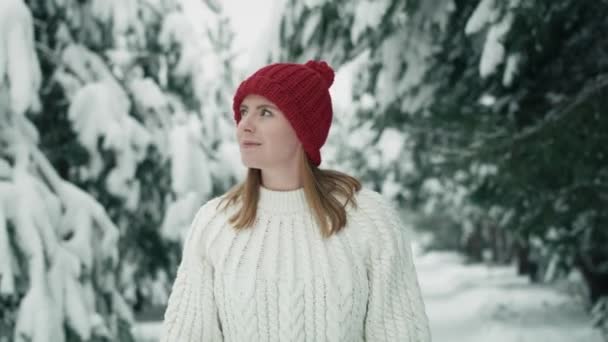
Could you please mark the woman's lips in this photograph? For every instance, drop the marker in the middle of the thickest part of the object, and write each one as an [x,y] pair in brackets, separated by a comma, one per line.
[250,145]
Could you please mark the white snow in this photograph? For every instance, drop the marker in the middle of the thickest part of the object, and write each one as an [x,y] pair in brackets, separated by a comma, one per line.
[147,331]
[231,162]
[487,14]
[150,100]
[392,54]
[487,100]
[85,64]
[390,187]
[7,282]
[391,145]
[493,50]
[484,14]
[367,101]
[189,167]
[100,110]
[492,303]
[178,32]
[18,59]
[121,180]
[179,216]
[432,186]
[44,209]
[368,14]
[60,272]
[405,59]
[123,17]
[361,136]
[342,89]
[201,16]
[314,3]
[481,169]
[511,69]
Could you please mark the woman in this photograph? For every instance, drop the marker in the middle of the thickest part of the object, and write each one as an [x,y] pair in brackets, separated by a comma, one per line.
[294,253]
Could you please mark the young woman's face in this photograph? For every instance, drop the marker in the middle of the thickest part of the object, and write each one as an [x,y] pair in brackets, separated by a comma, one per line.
[263,123]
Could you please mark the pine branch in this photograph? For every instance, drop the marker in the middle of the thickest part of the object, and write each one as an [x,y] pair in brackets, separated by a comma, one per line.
[558,114]
[553,117]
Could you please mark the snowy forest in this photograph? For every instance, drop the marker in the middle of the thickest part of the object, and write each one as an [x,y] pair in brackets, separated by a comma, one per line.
[483,120]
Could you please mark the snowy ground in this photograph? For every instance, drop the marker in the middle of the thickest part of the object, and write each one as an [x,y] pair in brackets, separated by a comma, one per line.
[479,303]
[148,332]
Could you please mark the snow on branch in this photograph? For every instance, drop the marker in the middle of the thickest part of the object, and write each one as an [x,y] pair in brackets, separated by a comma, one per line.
[18,60]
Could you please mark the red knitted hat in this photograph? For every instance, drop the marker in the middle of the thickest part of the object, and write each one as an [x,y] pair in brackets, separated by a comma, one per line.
[301,91]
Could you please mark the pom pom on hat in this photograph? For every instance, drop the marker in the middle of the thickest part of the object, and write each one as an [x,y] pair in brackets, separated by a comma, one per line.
[301,91]
[323,69]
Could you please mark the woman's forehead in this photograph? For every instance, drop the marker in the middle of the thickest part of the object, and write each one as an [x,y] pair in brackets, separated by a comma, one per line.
[254,99]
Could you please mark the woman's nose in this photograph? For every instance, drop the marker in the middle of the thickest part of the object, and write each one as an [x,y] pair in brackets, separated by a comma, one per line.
[247,124]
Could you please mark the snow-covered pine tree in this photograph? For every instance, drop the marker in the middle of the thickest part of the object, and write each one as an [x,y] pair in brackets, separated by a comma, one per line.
[500,107]
[528,94]
[94,99]
[375,44]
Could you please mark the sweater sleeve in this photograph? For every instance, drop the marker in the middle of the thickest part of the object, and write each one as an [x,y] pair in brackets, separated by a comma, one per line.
[395,308]
[191,313]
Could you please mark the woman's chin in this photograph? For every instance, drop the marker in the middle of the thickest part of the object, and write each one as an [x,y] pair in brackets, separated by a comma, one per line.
[252,164]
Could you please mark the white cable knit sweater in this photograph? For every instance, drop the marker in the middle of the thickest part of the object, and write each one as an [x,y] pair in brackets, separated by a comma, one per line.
[280,281]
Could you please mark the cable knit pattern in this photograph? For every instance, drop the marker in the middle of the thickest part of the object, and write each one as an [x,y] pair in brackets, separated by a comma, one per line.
[396,311]
[281,281]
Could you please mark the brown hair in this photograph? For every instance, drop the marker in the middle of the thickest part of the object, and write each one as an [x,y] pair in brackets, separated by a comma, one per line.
[320,188]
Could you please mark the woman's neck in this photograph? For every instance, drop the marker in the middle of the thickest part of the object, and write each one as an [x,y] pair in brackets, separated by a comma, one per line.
[285,179]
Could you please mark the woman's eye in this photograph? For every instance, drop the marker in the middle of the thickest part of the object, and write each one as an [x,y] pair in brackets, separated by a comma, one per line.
[267,111]
[243,112]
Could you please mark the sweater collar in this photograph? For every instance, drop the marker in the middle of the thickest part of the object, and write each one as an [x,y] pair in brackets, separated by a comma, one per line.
[282,201]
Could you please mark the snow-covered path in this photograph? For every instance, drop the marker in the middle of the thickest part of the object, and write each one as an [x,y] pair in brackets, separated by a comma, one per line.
[477,303]
[480,303]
